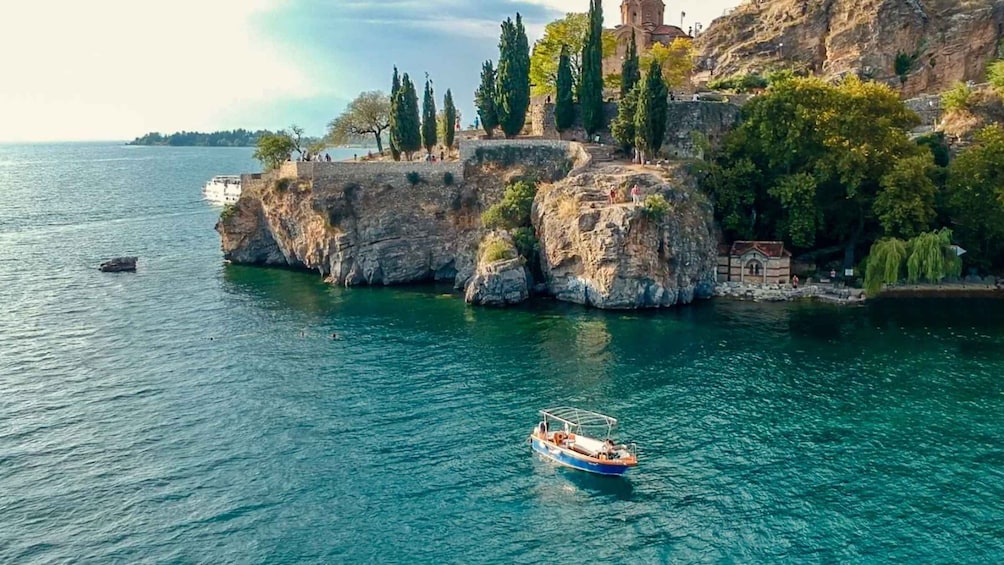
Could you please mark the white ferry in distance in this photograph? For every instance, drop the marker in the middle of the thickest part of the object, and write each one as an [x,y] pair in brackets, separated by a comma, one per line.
[223,189]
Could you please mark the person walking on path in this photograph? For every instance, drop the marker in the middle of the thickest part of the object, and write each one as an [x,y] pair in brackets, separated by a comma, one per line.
[636,195]
[794,281]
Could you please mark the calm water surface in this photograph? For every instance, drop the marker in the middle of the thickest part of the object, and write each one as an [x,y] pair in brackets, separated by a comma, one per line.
[196,412]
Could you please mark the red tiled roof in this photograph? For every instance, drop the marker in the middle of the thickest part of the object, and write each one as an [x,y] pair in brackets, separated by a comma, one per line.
[766,248]
[672,31]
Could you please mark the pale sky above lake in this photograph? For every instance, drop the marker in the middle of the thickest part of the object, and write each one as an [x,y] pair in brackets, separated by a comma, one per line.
[116,69]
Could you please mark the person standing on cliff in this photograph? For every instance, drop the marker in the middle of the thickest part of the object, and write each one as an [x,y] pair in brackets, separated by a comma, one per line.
[612,196]
[636,195]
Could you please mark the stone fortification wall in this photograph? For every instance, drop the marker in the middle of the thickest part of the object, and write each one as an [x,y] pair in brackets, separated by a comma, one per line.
[371,172]
[712,119]
[928,107]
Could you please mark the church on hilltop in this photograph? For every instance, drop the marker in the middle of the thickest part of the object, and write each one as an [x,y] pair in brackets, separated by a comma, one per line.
[645,19]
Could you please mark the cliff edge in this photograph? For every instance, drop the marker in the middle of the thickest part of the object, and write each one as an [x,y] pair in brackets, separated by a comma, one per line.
[397,223]
[915,45]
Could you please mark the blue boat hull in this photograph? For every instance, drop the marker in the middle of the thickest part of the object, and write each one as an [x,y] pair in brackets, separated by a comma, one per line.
[563,457]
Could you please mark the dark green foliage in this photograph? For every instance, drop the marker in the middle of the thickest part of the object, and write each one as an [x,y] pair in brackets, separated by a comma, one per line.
[228,212]
[526,242]
[591,83]
[938,145]
[810,162]
[564,110]
[622,127]
[650,118]
[903,65]
[956,98]
[395,87]
[405,126]
[512,88]
[413,178]
[274,148]
[976,198]
[227,138]
[655,207]
[630,69]
[450,113]
[448,179]
[514,209]
[429,135]
[484,99]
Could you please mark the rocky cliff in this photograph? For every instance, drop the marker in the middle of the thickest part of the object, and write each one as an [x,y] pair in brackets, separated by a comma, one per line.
[936,42]
[620,255]
[361,223]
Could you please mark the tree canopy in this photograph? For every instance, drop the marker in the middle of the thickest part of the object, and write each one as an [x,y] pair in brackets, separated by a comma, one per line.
[484,99]
[226,138]
[274,148]
[568,32]
[650,117]
[976,197]
[368,114]
[405,125]
[429,122]
[512,89]
[818,164]
[676,61]
[630,68]
[395,86]
[450,118]
[591,81]
[564,110]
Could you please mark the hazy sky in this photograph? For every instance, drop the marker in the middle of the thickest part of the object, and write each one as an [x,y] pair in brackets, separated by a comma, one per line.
[115,69]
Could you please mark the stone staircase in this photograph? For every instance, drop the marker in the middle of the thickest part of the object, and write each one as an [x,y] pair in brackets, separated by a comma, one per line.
[601,153]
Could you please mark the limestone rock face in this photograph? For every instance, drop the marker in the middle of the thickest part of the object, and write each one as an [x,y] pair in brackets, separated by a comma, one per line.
[945,40]
[616,256]
[501,282]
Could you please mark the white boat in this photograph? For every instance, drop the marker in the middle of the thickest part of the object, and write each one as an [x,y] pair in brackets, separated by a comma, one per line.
[223,189]
[570,446]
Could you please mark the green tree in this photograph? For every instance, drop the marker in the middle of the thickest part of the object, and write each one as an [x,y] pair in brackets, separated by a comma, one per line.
[884,264]
[622,127]
[406,123]
[512,88]
[513,211]
[368,114]
[591,83]
[956,98]
[995,75]
[274,148]
[484,99]
[564,109]
[395,86]
[630,69]
[450,117]
[814,156]
[932,257]
[905,203]
[650,118]
[429,126]
[976,198]
[569,33]
[675,61]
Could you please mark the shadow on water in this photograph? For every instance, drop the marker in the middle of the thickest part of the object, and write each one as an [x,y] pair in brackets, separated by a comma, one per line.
[617,488]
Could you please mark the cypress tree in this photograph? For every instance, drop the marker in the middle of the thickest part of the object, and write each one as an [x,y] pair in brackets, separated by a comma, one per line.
[591,83]
[512,82]
[564,111]
[630,71]
[395,87]
[622,127]
[429,135]
[650,119]
[484,99]
[450,111]
[409,137]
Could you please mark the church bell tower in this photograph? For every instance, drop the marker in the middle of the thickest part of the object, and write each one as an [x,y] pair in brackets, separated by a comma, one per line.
[639,13]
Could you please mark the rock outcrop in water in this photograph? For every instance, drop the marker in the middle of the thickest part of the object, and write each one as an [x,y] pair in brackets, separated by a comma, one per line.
[918,45]
[621,255]
[396,223]
[499,280]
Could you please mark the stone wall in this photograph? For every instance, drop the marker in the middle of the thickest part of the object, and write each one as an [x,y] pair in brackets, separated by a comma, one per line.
[928,107]
[371,172]
[712,119]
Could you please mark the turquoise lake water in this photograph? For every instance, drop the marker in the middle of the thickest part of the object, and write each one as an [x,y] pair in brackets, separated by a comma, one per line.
[195,412]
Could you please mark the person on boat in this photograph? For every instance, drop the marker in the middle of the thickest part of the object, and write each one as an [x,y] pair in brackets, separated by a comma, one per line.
[542,430]
[609,449]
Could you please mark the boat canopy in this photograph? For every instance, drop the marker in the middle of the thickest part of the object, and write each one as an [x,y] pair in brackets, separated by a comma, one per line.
[578,418]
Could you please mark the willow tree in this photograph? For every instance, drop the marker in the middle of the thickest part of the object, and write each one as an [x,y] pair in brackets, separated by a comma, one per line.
[884,264]
[932,257]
